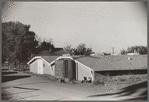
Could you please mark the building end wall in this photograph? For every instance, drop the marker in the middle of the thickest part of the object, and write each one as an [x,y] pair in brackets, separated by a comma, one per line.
[84,71]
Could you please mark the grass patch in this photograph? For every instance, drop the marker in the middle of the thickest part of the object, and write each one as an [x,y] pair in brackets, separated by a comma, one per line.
[119,79]
[101,79]
[5,95]
[46,76]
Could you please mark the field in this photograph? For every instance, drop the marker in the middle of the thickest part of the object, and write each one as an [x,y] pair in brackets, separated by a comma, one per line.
[119,79]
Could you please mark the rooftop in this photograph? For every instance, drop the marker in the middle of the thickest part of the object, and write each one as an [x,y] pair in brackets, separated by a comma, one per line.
[113,62]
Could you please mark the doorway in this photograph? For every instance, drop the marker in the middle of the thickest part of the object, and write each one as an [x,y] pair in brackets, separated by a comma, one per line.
[40,66]
[66,73]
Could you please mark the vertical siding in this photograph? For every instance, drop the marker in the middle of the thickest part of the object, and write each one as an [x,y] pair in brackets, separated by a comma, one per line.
[34,67]
[59,68]
[83,71]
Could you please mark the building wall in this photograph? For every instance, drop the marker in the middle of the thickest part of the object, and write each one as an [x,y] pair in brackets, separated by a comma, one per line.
[47,69]
[40,66]
[59,68]
[34,67]
[53,70]
[83,71]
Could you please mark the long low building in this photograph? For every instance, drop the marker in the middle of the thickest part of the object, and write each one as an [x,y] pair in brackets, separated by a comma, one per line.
[78,67]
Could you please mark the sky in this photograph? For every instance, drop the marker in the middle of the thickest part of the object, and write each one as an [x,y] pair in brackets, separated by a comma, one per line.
[100,25]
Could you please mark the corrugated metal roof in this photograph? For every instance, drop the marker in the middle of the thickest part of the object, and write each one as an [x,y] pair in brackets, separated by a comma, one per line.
[114,62]
[105,63]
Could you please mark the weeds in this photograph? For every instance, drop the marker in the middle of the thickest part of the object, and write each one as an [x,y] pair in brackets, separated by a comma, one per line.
[101,79]
[5,95]
[126,79]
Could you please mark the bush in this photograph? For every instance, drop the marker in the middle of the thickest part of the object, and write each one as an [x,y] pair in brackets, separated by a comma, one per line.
[99,82]
[130,78]
[101,79]
[5,95]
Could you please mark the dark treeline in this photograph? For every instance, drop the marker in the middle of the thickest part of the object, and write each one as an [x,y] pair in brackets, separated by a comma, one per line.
[19,43]
[139,49]
[81,49]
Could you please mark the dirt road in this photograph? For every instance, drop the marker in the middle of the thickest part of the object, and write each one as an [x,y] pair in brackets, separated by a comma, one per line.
[23,86]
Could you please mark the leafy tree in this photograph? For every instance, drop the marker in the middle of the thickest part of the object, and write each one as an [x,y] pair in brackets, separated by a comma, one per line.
[68,49]
[123,52]
[30,44]
[139,49]
[142,50]
[17,42]
[80,50]
[46,46]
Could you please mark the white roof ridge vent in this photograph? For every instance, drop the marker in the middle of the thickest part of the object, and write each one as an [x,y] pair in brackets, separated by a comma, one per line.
[66,54]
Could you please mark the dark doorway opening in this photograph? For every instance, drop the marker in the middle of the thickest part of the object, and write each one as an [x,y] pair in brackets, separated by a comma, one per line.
[66,74]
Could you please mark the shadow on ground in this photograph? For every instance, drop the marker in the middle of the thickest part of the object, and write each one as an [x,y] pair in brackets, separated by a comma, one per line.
[13,77]
[26,88]
[129,90]
[4,69]
[5,73]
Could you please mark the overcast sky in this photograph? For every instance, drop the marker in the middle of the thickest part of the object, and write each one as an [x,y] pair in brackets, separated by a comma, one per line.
[100,25]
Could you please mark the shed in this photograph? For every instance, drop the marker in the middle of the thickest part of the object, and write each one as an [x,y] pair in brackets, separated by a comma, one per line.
[41,65]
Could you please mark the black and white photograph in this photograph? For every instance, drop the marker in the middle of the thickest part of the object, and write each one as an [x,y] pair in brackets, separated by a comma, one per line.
[74,50]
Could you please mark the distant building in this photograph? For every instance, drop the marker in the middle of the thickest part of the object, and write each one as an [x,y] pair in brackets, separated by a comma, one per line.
[135,53]
[104,53]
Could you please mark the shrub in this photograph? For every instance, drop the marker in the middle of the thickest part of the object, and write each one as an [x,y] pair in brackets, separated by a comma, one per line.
[130,78]
[5,95]
[101,79]
[99,82]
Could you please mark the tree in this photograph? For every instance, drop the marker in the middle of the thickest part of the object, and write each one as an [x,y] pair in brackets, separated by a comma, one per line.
[80,50]
[68,49]
[46,45]
[30,44]
[123,52]
[142,49]
[17,42]
[139,49]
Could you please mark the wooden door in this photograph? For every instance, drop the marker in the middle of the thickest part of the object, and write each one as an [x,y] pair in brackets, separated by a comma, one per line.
[40,66]
[66,74]
[59,69]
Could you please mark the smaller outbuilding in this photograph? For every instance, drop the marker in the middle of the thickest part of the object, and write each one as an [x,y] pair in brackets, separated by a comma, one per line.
[42,65]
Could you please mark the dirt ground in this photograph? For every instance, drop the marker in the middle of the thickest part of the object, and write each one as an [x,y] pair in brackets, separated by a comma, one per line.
[25,86]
